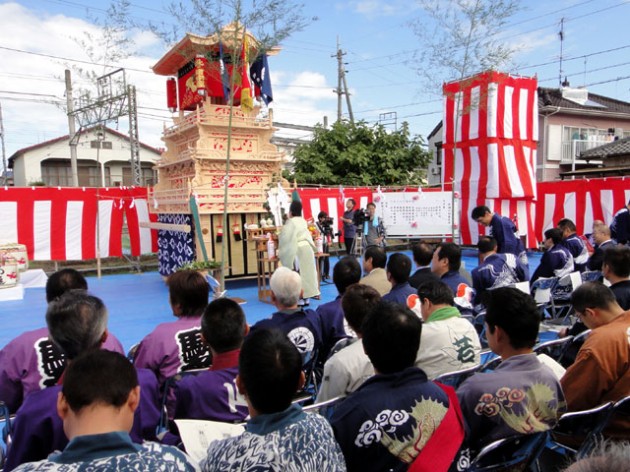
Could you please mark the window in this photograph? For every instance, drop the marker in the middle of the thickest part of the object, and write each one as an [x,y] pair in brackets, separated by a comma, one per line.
[438,154]
[572,133]
[104,144]
[57,174]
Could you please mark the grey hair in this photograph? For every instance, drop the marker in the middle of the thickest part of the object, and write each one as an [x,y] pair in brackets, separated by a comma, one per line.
[76,322]
[286,285]
[608,456]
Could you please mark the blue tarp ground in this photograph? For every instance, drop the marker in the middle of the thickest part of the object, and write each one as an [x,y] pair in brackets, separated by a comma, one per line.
[138,302]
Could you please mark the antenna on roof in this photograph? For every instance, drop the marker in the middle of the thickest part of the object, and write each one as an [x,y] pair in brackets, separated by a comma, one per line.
[561,35]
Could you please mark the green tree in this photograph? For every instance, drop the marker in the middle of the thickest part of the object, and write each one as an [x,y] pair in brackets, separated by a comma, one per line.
[359,154]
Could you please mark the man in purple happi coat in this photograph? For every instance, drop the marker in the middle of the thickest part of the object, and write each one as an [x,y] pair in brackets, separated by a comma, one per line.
[176,346]
[212,394]
[520,396]
[31,362]
[77,323]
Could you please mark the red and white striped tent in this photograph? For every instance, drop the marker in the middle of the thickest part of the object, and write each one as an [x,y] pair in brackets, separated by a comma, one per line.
[489,148]
[60,223]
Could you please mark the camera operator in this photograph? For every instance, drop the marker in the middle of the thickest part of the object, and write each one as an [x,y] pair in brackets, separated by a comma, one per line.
[325,227]
[375,232]
[349,229]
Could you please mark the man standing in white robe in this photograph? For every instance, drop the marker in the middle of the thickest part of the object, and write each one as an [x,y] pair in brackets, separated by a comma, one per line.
[297,250]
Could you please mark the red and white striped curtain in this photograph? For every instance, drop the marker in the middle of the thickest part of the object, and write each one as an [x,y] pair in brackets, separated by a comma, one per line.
[489,147]
[60,223]
[582,201]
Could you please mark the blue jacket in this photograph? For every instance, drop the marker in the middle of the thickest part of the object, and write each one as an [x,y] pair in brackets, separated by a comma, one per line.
[400,293]
[331,321]
[596,260]
[303,327]
[555,262]
[387,409]
[497,270]
[578,250]
[461,291]
[620,226]
[505,232]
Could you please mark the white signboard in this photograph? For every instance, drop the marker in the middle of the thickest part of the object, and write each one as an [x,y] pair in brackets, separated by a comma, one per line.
[416,214]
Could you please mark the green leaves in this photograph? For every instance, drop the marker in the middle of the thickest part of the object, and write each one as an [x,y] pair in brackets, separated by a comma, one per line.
[362,155]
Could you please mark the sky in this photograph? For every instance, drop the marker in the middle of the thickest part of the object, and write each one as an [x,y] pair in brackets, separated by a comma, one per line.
[38,40]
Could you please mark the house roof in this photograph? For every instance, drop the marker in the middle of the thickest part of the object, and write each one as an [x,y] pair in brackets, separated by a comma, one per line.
[435,130]
[616,148]
[552,97]
[66,137]
[598,172]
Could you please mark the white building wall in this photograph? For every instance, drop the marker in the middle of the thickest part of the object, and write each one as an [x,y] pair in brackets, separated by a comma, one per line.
[28,167]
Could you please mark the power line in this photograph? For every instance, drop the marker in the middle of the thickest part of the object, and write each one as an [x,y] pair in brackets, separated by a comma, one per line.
[79,61]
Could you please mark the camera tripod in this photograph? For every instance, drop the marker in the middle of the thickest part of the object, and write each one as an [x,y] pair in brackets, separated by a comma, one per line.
[358,245]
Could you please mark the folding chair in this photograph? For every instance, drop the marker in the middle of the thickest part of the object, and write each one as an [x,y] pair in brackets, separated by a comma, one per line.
[567,357]
[325,408]
[168,394]
[5,417]
[561,306]
[456,378]
[592,276]
[578,432]
[516,453]
[307,395]
[479,324]
[621,409]
[131,354]
[522,286]
[541,291]
[554,348]
[491,364]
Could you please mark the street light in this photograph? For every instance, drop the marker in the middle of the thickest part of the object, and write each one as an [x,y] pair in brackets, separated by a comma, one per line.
[100,137]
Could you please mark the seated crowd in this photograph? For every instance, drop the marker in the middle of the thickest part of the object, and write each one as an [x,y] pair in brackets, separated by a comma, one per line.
[377,348]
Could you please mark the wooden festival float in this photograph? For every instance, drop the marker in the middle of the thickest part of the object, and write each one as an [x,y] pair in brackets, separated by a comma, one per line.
[195,162]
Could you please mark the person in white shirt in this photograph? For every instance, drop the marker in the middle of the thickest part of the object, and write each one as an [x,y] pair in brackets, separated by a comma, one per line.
[346,370]
[448,342]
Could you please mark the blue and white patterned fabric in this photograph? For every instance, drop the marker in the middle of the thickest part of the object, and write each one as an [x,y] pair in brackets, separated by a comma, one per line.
[288,441]
[496,270]
[175,248]
[578,250]
[111,452]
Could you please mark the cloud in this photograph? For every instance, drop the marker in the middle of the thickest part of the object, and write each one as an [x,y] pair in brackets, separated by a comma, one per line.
[374,9]
[302,98]
[299,97]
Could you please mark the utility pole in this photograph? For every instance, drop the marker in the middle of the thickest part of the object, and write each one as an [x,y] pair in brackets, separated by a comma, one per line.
[561,35]
[134,140]
[341,80]
[338,90]
[4,154]
[345,88]
[71,131]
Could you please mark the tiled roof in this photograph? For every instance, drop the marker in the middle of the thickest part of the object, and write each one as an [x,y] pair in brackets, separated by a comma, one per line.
[616,148]
[553,97]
